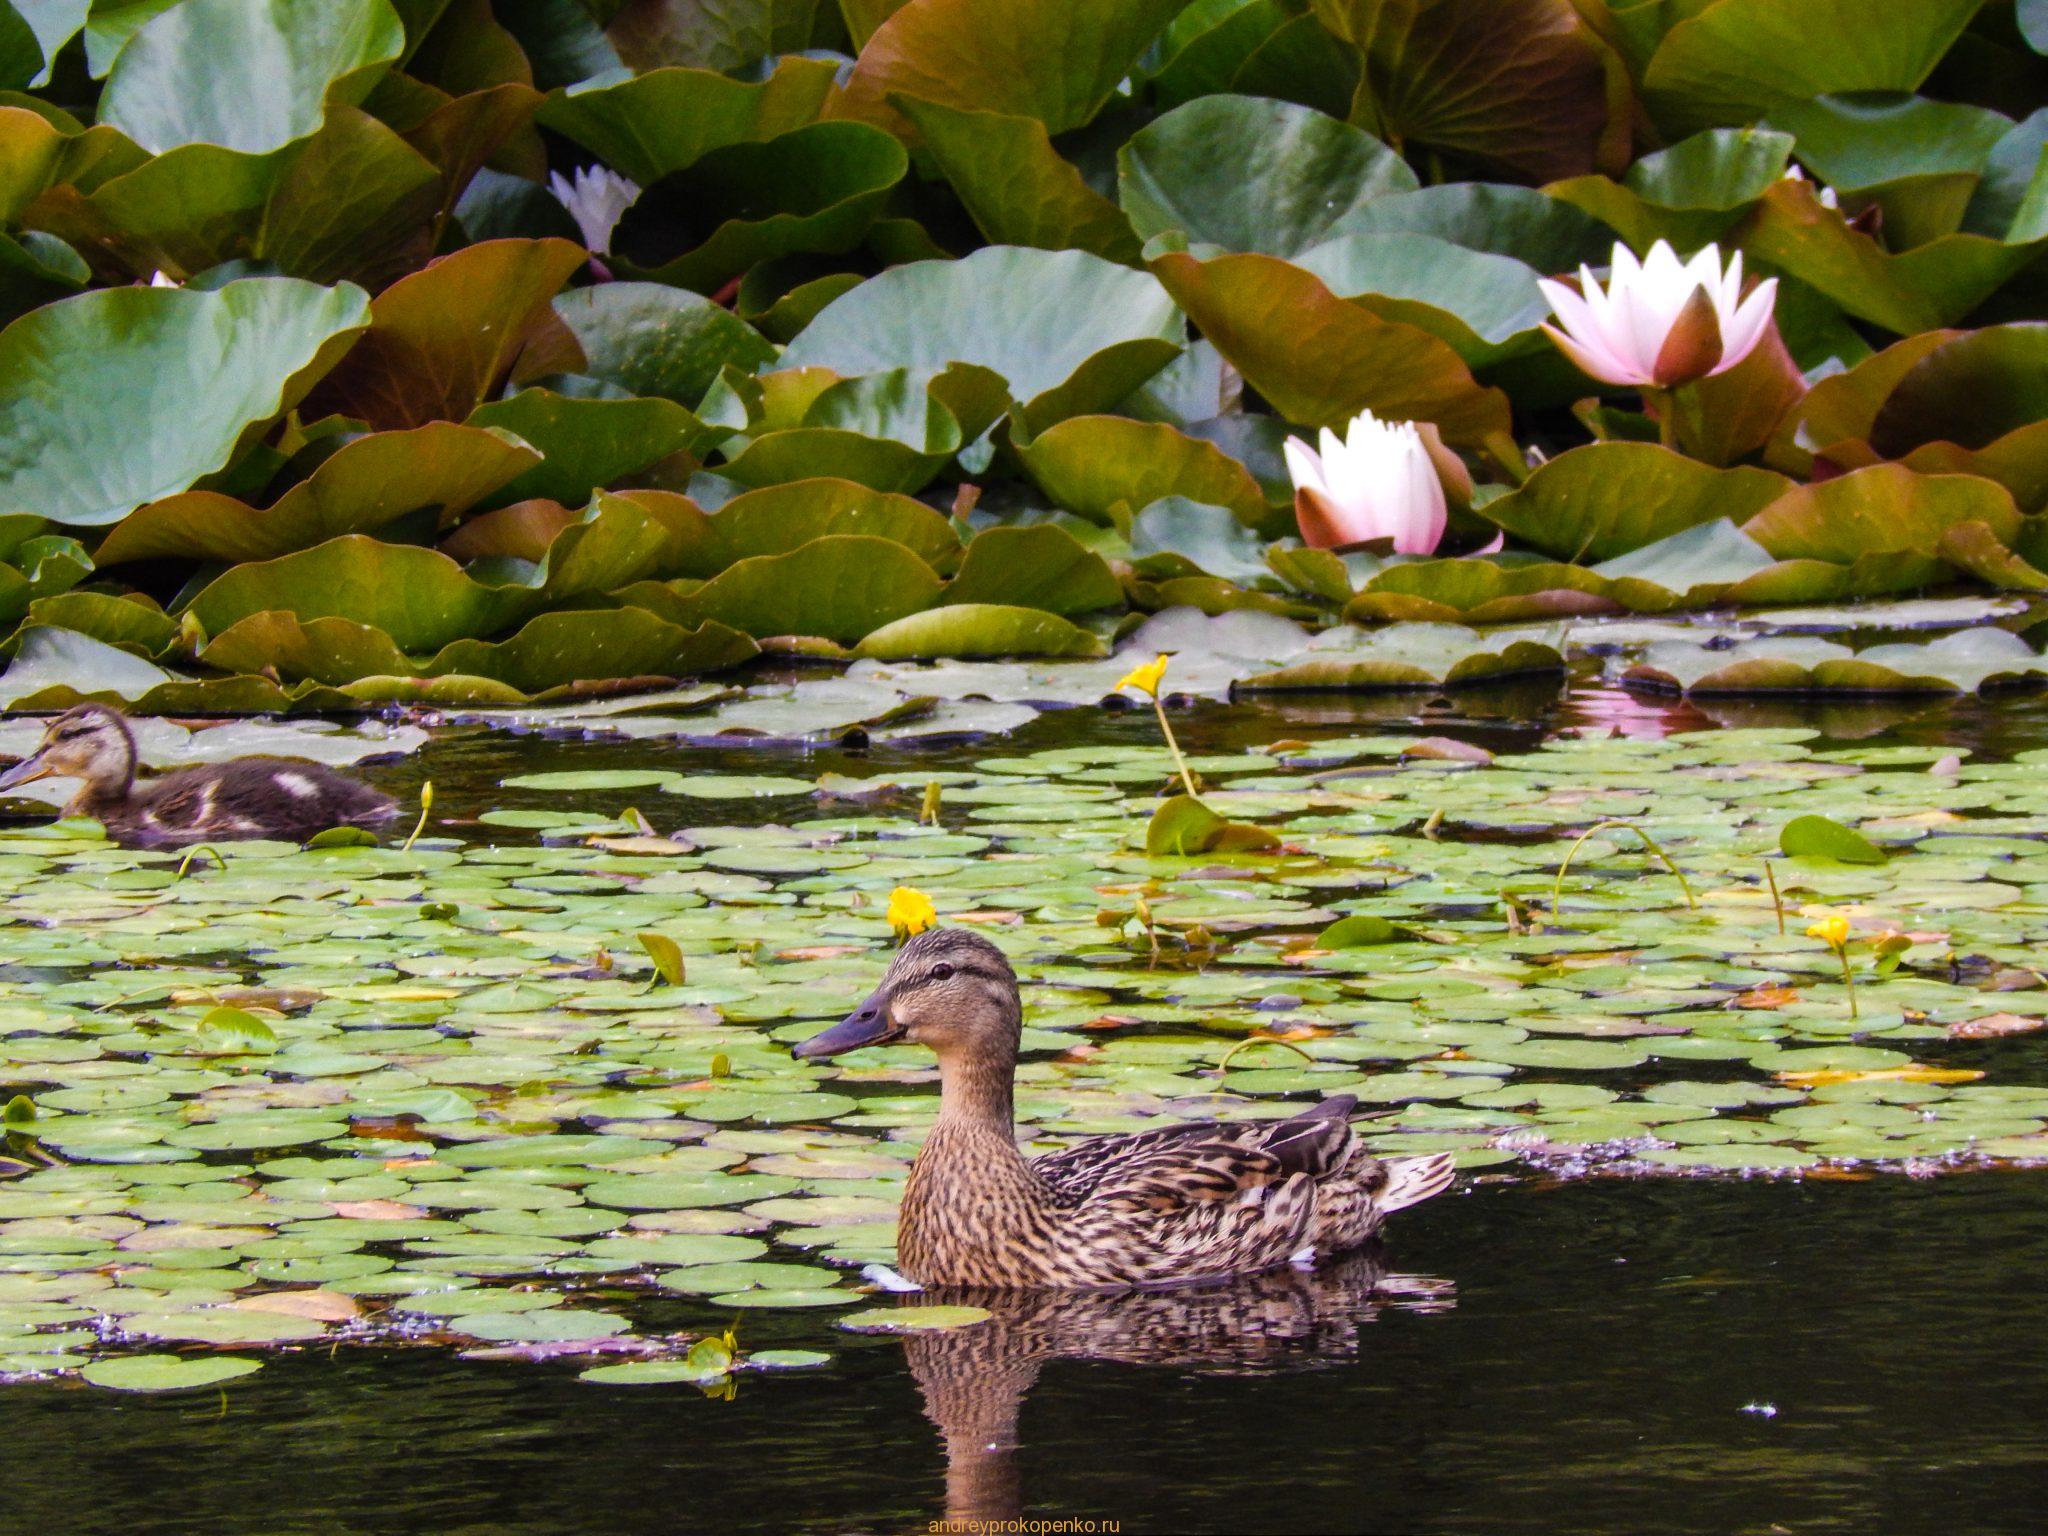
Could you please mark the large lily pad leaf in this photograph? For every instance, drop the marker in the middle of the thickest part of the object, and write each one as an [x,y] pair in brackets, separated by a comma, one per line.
[650,339]
[1883,508]
[551,651]
[777,519]
[1917,160]
[1607,499]
[421,598]
[442,340]
[1535,229]
[1253,175]
[589,444]
[270,69]
[1970,390]
[888,430]
[1516,83]
[1067,332]
[360,487]
[1015,186]
[94,418]
[840,587]
[1964,662]
[1486,307]
[1175,536]
[651,124]
[1929,286]
[1042,567]
[813,189]
[1054,60]
[1729,62]
[1411,656]
[1109,467]
[977,630]
[1689,194]
[1321,360]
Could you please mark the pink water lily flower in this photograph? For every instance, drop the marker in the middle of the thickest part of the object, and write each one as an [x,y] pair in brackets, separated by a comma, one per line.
[1661,322]
[1375,482]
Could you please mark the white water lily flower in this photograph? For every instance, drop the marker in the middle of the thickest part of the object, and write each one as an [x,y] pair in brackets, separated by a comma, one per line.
[160,279]
[1661,322]
[595,200]
[1825,195]
[1376,482]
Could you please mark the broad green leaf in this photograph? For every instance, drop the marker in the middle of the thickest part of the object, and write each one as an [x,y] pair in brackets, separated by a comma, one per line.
[270,67]
[1054,60]
[1821,837]
[442,339]
[1729,62]
[813,189]
[1607,499]
[1253,175]
[166,1373]
[653,340]
[588,444]
[360,487]
[1321,360]
[1183,826]
[1690,194]
[651,124]
[1067,332]
[1108,467]
[1040,567]
[82,444]
[975,630]
[840,587]
[1015,185]
[1515,83]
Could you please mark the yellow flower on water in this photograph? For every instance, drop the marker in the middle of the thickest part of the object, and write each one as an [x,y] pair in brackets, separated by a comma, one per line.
[910,912]
[1831,931]
[1146,679]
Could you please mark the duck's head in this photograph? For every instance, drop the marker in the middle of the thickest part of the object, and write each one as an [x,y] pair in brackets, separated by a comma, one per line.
[91,742]
[947,989]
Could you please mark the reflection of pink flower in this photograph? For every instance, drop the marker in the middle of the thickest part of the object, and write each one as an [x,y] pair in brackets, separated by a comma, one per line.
[1612,710]
[1661,321]
[1375,482]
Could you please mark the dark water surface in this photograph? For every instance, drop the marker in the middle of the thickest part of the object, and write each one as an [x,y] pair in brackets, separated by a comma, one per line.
[1863,1354]
[1603,1370]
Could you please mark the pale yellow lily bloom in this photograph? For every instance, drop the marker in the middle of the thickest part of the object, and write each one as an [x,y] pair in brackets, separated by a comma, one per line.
[1831,931]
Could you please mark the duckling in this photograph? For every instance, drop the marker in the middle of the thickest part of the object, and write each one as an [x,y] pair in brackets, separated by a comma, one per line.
[1197,1200]
[276,797]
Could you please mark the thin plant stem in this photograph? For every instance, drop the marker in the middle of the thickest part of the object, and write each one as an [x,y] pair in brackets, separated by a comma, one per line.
[1649,843]
[426,805]
[192,853]
[1777,901]
[1166,730]
[1848,981]
[1251,1043]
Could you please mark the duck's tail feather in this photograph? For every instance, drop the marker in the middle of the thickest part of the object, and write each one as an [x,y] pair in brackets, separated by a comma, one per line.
[1412,1180]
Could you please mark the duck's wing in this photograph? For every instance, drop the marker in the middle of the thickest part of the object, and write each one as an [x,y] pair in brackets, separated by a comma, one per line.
[1313,1142]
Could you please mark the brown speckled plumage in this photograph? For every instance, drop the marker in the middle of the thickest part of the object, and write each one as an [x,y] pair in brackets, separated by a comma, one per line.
[274,797]
[1190,1201]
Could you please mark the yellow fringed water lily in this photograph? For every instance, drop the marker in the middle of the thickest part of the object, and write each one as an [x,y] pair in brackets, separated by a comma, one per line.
[910,912]
[1146,679]
[1831,931]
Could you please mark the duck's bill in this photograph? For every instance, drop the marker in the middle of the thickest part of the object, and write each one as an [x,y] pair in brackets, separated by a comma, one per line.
[869,1024]
[32,767]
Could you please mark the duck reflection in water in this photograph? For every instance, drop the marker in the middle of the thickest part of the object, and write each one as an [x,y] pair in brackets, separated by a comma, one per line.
[975,1378]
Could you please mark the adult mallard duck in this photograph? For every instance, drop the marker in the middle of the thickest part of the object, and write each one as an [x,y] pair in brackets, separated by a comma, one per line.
[1195,1200]
[276,797]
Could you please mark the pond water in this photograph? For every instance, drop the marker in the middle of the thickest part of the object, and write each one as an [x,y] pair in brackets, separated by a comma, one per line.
[1723,1258]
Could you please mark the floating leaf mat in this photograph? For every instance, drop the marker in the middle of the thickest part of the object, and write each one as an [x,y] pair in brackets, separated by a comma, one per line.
[359,1094]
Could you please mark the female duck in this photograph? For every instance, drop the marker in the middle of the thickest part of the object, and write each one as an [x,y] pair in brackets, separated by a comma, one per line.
[248,797]
[1192,1201]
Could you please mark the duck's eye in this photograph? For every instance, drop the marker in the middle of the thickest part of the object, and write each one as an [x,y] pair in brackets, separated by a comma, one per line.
[942,971]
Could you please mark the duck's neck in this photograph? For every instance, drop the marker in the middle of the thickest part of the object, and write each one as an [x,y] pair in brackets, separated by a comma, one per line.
[978,1092]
